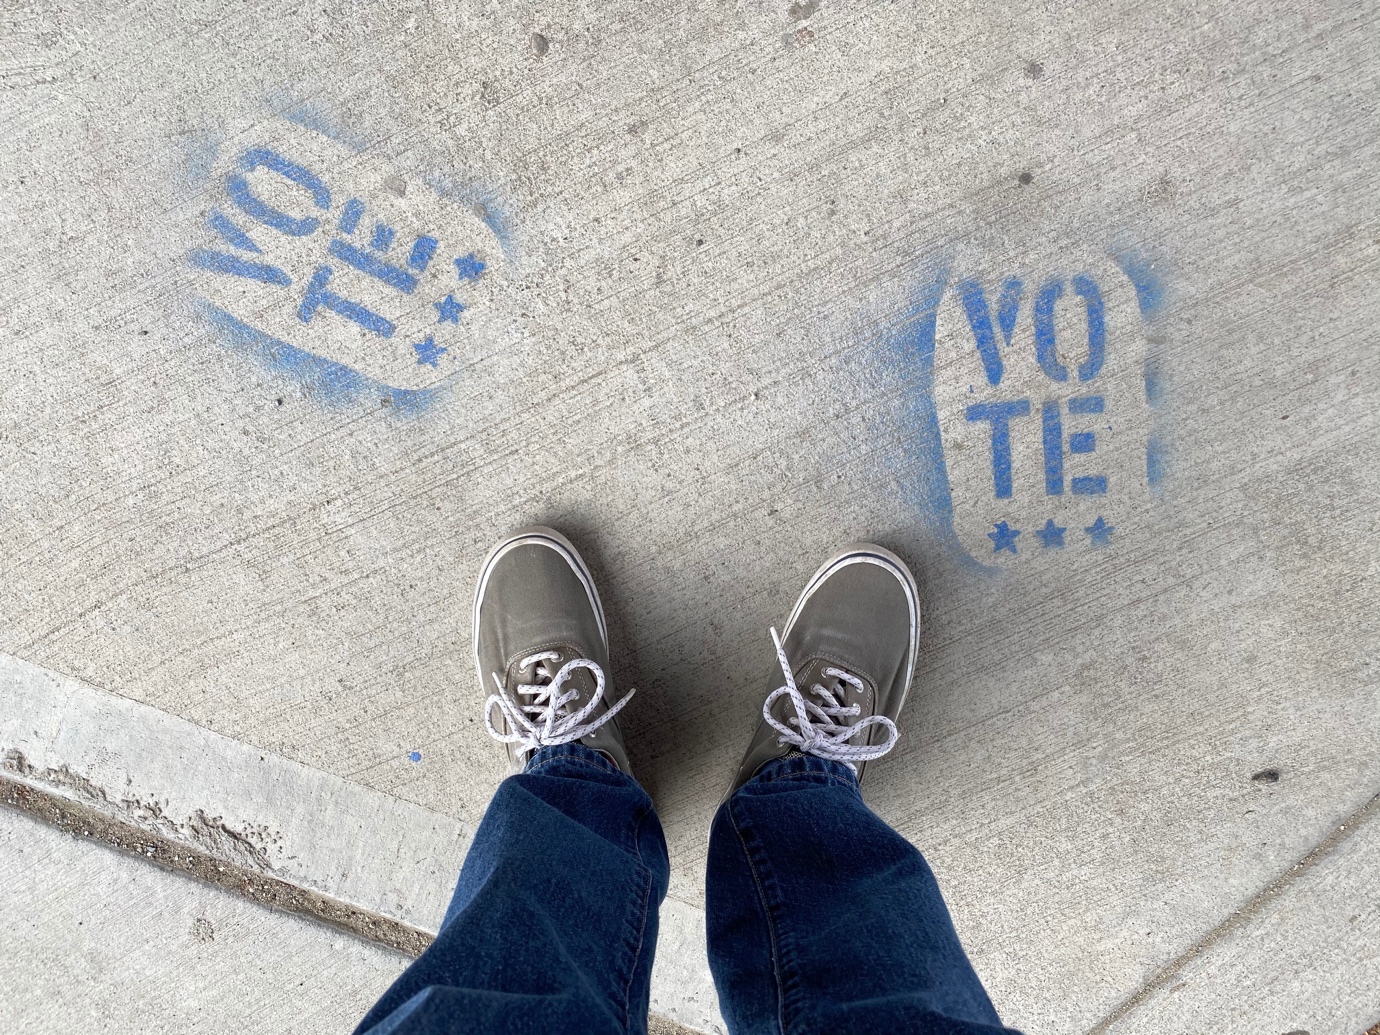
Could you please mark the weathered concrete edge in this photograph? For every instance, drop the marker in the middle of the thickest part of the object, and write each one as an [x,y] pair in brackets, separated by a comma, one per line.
[85,821]
[265,826]
[1248,913]
[263,811]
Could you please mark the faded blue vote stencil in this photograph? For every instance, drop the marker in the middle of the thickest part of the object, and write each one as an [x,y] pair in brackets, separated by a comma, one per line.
[336,270]
[1041,426]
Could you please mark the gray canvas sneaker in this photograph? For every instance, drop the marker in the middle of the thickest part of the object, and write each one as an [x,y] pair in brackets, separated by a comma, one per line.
[542,649]
[843,664]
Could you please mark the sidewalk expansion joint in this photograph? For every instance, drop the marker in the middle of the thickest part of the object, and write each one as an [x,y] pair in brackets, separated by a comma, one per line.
[1239,918]
[90,823]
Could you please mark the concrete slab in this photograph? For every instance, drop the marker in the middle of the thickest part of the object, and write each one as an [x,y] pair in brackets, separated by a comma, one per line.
[1297,963]
[251,810]
[95,940]
[728,322]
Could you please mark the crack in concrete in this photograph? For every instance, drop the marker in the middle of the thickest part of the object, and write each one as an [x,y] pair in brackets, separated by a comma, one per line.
[1239,918]
[90,822]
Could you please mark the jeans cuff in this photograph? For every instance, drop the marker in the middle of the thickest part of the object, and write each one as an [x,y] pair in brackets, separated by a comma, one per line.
[568,753]
[809,767]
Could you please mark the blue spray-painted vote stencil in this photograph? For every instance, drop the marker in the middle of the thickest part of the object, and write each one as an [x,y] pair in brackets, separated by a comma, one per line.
[328,263]
[1046,411]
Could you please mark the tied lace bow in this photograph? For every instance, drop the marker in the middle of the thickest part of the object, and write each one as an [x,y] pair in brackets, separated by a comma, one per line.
[544,718]
[814,728]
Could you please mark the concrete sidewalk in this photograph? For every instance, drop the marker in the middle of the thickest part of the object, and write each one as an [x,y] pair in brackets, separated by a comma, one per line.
[95,940]
[1072,308]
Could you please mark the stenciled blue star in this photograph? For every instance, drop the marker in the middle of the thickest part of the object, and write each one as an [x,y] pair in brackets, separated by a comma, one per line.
[428,351]
[450,309]
[1051,535]
[1100,532]
[1004,538]
[468,267]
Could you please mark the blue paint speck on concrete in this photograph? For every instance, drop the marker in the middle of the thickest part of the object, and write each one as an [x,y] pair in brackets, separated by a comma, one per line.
[415,756]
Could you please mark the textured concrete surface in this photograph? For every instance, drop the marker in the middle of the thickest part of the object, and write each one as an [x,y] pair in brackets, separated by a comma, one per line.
[96,941]
[1307,960]
[252,809]
[722,327]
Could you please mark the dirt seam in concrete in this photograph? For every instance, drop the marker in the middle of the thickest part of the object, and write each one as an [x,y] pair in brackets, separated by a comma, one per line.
[91,823]
[85,821]
[1239,918]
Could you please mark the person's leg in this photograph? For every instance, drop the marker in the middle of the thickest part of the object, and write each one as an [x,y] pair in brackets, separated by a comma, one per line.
[824,919]
[821,918]
[554,921]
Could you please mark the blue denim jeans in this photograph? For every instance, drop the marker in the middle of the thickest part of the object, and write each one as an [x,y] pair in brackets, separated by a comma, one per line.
[821,918]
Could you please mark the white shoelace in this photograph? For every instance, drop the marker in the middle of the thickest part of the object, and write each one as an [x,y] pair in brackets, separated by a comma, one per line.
[815,729]
[546,718]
